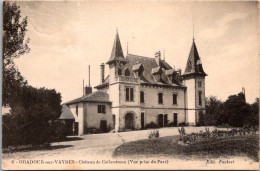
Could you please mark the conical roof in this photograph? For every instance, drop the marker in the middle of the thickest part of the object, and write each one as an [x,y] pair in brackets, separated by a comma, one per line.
[194,64]
[117,52]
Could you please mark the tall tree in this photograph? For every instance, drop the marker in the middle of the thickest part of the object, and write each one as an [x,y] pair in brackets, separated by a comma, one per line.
[214,111]
[236,110]
[14,45]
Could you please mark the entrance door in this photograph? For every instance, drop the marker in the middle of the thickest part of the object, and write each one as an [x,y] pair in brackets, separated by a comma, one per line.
[175,119]
[103,125]
[76,128]
[160,120]
[129,121]
[142,120]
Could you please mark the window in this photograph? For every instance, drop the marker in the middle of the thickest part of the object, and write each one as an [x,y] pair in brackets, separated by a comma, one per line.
[127,72]
[77,110]
[199,83]
[129,96]
[119,71]
[174,98]
[160,98]
[141,96]
[200,97]
[101,108]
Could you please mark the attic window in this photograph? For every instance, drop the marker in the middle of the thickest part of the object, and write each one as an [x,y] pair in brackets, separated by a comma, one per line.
[127,72]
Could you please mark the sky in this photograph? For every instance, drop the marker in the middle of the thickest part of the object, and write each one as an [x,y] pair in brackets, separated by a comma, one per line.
[67,36]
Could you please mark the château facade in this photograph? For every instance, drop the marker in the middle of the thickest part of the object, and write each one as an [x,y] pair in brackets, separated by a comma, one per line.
[140,90]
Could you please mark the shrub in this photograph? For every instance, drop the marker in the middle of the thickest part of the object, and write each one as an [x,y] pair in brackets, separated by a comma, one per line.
[152,125]
[154,134]
[182,124]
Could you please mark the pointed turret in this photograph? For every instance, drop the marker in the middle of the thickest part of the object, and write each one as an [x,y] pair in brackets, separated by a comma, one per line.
[194,65]
[117,52]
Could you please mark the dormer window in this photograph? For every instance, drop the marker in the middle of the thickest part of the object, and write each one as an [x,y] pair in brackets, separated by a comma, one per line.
[157,72]
[127,72]
[119,71]
[138,69]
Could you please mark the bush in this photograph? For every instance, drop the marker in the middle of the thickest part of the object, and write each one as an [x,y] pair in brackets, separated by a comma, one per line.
[182,124]
[171,124]
[154,134]
[152,125]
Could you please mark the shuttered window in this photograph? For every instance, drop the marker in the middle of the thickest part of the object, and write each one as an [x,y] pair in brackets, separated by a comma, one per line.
[129,94]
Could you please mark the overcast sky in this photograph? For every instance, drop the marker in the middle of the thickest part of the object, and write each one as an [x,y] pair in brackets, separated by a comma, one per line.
[66,37]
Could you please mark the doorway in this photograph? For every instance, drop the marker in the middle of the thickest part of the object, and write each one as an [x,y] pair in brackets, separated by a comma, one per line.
[129,121]
[103,125]
[160,120]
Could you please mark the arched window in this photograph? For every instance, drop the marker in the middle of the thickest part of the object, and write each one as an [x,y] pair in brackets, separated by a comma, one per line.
[127,72]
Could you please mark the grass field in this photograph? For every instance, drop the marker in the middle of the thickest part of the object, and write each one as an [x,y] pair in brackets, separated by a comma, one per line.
[213,148]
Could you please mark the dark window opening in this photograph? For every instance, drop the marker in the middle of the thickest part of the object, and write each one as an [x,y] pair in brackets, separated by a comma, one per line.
[127,72]
[141,96]
[131,94]
[175,121]
[142,120]
[119,71]
[200,101]
[101,108]
[165,119]
[160,98]
[174,98]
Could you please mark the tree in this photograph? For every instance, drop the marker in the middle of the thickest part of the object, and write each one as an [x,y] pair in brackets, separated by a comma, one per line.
[236,110]
[253,117]
[31,117]
[214,111]
[14,45]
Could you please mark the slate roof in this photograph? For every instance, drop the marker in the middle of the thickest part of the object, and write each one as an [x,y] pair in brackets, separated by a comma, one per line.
[97,96]
[66,113]
[193,60]
[150,66]
[117,52]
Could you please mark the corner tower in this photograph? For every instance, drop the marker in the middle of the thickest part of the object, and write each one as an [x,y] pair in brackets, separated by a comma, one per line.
[116,60]
[194,80]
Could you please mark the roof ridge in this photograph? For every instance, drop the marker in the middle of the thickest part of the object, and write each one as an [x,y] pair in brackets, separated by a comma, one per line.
[140,56]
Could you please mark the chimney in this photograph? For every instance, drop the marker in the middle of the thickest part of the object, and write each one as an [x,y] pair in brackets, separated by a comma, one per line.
[88,89]
[102,72]
[158,58]
[179,71]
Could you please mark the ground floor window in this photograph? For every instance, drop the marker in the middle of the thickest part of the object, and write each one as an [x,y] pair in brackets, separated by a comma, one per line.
[175,121]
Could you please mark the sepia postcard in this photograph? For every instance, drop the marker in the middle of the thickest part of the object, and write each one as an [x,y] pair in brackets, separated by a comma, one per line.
[125,84]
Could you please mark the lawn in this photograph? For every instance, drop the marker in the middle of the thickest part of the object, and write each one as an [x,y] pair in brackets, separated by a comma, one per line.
[213,148]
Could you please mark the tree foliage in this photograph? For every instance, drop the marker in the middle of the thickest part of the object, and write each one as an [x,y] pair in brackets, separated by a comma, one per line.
[233,112]
[33,110]
[14,45]
[31,117]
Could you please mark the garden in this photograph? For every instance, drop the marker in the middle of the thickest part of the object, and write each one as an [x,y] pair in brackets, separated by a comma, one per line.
[219,143]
